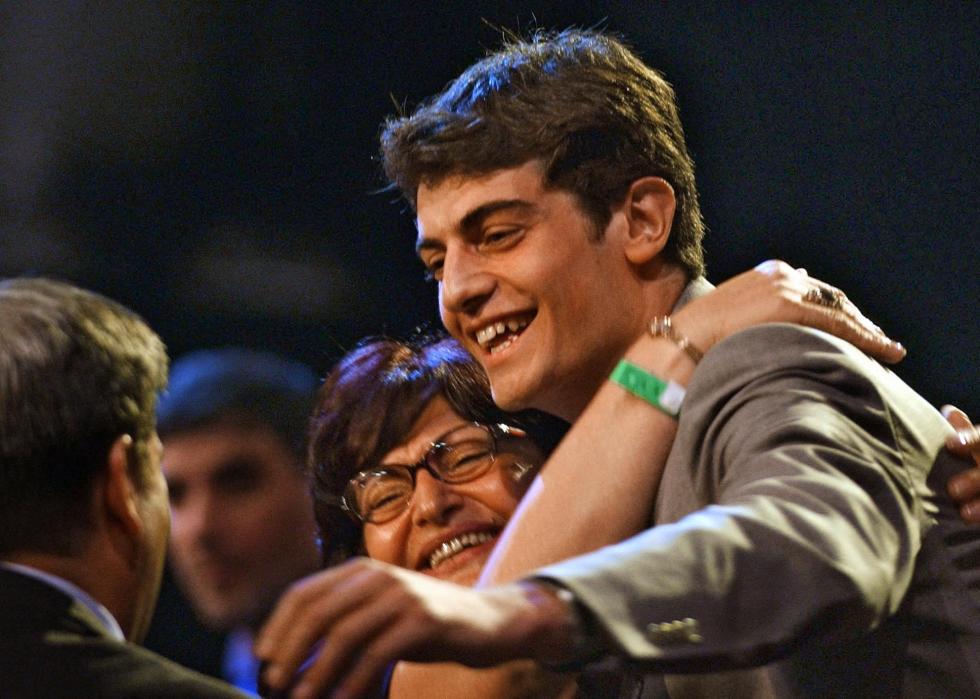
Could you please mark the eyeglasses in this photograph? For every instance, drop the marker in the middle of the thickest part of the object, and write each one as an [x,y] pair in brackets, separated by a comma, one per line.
[379,494]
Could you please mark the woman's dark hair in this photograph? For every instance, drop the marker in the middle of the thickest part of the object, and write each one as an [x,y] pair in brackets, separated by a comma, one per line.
[368,405]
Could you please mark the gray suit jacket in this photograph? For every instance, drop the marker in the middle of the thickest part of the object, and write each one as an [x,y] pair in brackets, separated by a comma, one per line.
[52,646]
[802,534]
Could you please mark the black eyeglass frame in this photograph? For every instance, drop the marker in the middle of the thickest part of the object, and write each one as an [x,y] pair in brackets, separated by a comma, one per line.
[496,432]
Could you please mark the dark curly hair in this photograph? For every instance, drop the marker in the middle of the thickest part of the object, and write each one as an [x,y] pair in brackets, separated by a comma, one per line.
[581,103]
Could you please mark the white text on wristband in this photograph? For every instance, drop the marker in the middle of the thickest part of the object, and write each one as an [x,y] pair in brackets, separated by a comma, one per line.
[666,396]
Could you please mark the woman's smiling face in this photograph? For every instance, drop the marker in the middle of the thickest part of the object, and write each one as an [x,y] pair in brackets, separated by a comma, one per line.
[449,530]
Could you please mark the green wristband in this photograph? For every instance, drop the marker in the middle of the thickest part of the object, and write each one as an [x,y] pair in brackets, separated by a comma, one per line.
[665,396]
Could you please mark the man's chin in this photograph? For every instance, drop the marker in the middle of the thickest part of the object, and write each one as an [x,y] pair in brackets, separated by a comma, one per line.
[511,395]
[225,617]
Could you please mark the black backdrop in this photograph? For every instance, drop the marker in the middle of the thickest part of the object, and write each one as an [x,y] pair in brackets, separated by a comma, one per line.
[212,164]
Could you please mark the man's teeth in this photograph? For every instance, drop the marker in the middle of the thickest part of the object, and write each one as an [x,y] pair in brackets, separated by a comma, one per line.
[488,334]
[450,548]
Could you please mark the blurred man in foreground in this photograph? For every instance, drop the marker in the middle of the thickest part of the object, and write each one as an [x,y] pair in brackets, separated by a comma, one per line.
[83,505]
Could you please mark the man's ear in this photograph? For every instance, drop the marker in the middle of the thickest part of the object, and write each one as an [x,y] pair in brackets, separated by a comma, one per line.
[649,209]
[120,495]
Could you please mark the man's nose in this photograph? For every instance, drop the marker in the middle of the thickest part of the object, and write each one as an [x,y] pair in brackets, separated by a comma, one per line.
[433,501]
[466,283]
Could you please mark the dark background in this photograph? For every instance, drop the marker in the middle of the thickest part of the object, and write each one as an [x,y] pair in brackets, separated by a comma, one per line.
[213,164]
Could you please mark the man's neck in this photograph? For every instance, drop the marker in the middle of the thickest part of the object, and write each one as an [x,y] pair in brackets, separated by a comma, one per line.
[97,577]
[662,293]
[659,296]
[61,578]
[62,567]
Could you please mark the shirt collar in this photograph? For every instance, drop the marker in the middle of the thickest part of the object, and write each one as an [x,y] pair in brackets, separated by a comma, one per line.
[73,591]
[698,286]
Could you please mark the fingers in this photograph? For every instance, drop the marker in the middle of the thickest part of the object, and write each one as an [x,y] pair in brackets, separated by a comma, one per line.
[966,440]
[364,615]
[305,615]
[848,323]
[815,303]
[964,488]
[284,648]
[829,309]
[775,268]
[355,656]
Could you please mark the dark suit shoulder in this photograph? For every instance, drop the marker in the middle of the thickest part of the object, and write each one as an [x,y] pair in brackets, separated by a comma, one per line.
[53,647]
[58,665]
[763,349]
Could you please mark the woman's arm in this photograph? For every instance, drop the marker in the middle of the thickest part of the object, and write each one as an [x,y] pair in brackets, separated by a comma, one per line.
[577,504]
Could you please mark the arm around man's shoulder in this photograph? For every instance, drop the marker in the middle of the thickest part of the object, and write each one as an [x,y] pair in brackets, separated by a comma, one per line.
[786,511]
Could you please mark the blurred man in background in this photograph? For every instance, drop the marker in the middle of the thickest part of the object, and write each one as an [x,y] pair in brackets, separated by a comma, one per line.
[233,427]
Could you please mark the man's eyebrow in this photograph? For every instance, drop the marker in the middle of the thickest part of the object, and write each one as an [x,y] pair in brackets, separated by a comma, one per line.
[474,218]
[426,244]
[235,467]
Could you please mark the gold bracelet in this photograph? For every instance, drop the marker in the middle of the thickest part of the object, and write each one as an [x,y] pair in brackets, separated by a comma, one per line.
[662,327]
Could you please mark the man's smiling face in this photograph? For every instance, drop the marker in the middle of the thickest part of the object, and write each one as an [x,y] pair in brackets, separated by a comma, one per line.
[527,286]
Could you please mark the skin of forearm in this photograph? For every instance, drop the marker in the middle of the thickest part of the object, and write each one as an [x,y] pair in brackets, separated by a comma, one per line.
[515,680]
[547,624]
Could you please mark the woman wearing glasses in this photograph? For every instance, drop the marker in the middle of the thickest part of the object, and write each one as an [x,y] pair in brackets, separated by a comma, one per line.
[413,463]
